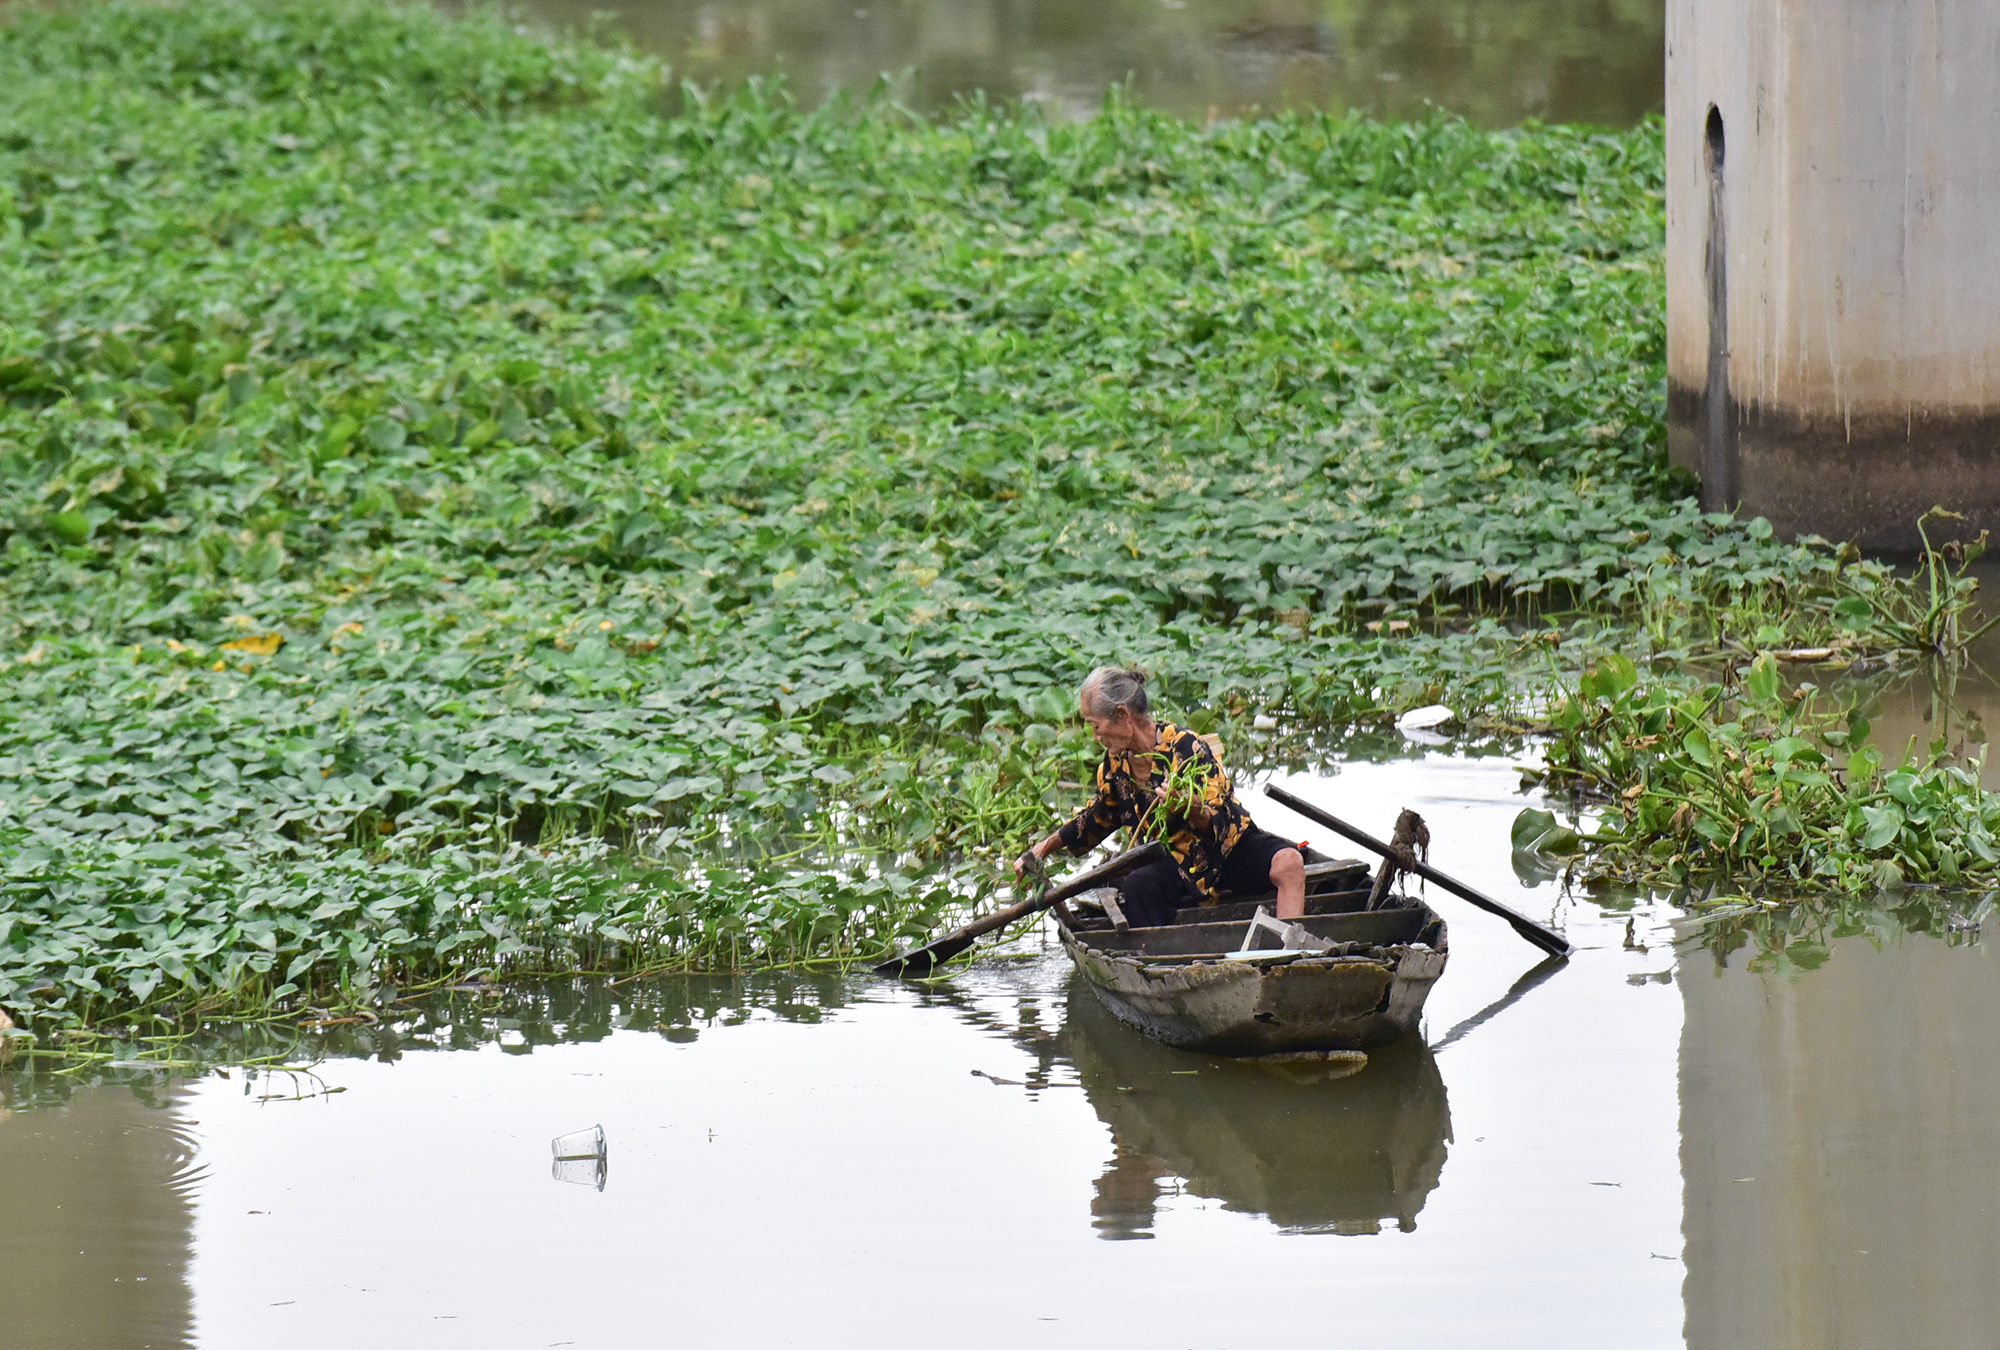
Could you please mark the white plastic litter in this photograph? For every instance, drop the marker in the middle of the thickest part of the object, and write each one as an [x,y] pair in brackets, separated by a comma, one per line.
[1422,719]
[581,1157]
[1294,937]
[579,1144]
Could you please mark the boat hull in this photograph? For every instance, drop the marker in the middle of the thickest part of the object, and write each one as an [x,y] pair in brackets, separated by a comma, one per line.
[1237,1009]
[1182,983]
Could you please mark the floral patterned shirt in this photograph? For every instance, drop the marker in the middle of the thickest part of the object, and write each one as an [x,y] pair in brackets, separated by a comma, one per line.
[1127,790]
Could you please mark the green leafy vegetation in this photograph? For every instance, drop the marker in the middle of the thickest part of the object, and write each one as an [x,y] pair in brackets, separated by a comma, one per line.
[1180,798]
[1756,786]
[1755,783]
[457,516]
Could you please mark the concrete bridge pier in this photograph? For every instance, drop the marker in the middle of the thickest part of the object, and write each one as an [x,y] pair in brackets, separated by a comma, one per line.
[1833,261]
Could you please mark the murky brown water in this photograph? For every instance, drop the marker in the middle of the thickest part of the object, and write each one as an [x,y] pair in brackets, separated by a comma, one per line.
[1839,1142]
[1496,61]
[1643,1149]
[95,1205]
[1910,713]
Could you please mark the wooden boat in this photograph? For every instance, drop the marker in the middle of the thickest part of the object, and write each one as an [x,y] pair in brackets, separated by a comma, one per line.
[1190,984]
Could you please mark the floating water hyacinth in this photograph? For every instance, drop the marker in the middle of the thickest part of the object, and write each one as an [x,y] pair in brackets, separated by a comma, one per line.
[458,519]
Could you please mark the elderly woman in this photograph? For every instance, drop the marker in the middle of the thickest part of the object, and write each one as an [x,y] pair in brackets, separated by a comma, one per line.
[1161,782]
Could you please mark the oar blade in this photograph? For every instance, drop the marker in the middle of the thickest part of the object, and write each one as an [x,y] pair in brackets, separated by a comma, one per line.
[924,960]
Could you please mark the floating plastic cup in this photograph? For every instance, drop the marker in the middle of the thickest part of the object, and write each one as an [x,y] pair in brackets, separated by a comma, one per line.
[582,1144]
[581,1158]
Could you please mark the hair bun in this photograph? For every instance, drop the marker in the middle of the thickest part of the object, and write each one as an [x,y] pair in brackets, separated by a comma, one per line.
[1137,674]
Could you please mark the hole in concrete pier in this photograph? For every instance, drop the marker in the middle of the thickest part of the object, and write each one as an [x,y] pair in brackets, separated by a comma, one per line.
[1718,457]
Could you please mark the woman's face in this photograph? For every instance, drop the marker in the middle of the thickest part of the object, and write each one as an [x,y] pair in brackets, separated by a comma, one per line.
[1119,731]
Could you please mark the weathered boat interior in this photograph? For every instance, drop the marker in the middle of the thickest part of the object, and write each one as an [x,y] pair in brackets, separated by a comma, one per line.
[1225,980]
[1337,892]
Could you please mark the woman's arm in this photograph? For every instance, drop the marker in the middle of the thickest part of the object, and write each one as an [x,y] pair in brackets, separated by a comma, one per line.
[1089,827]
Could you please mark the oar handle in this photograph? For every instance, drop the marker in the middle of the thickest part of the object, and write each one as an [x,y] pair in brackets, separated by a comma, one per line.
[928,957]
[1091,878]
[1550,941]
[1086,880]
[999,918]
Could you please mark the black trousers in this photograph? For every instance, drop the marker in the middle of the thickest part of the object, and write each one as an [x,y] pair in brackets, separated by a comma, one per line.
[1150,895]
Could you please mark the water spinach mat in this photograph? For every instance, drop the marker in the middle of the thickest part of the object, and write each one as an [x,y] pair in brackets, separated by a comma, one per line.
[468,505]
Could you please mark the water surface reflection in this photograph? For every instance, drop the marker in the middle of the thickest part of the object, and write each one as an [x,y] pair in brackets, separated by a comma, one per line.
[1840,1144]
[94,1223]
[1496,61]
[1341,1156]
[909,1143]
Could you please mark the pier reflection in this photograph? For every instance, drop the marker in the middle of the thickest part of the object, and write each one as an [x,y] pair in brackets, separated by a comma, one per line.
[1495,61]
[1840,1151]
[1312,1151]
[96,1230]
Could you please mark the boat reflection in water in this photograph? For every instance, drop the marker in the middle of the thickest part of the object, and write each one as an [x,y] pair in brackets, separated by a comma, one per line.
[1315,1151]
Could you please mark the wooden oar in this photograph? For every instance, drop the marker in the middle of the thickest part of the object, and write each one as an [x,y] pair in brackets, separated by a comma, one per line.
[924,960]
[1550,941]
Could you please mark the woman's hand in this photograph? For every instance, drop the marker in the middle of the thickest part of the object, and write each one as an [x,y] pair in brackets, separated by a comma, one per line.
[1041,852]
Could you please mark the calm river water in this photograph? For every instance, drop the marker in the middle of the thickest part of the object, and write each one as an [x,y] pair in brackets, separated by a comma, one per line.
[1641,1149]
[1495,61]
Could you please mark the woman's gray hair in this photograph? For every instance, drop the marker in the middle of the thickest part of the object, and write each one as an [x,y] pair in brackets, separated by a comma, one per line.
[1108,688]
